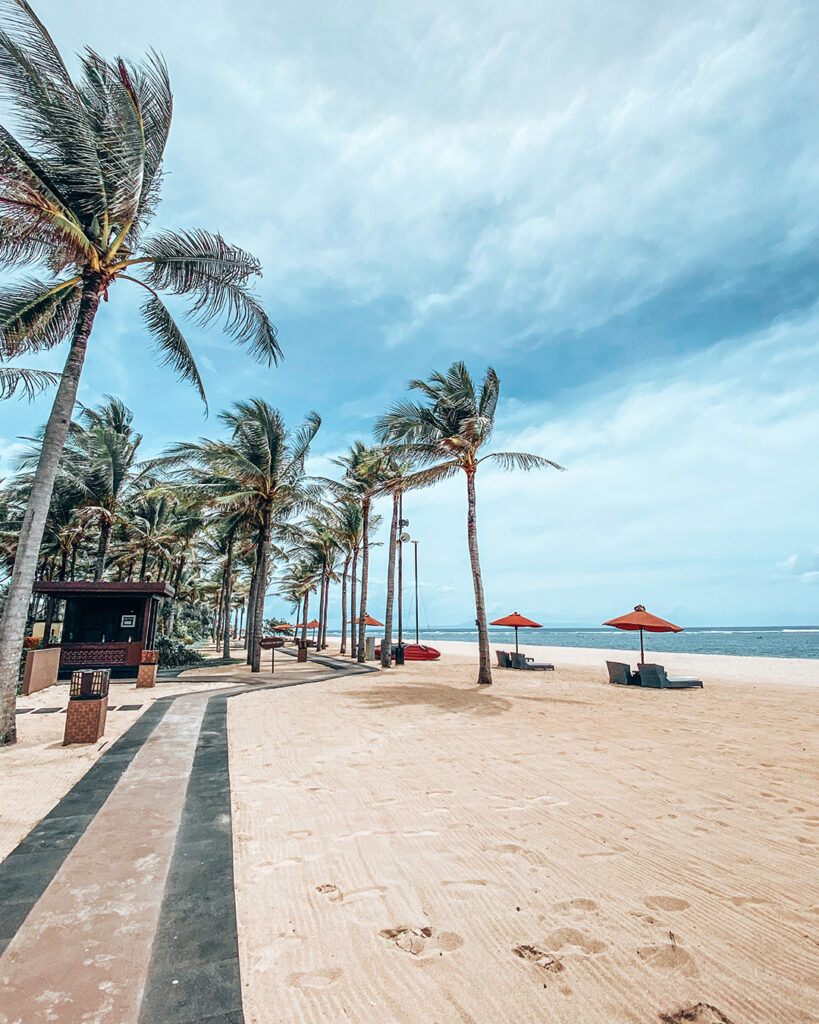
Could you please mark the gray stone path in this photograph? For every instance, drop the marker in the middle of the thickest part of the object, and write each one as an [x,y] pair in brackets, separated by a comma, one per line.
[118,908]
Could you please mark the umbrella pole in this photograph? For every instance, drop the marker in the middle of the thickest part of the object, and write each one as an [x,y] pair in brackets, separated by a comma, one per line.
[516,639]
[642,652]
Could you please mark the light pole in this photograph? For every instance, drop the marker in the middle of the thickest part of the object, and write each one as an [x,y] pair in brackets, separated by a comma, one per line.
[415,543]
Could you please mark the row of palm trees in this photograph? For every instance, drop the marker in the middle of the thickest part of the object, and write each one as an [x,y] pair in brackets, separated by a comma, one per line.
[80,180]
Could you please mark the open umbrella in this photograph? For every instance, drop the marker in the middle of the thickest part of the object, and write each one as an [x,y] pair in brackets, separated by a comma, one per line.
[643,620]
[518,621]
[313,624]
[370,621]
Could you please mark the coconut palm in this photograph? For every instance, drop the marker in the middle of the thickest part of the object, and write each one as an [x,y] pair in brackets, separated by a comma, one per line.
[364,475]
[398,478]
[445,435]
[347,516]
[259,472]
[78,187]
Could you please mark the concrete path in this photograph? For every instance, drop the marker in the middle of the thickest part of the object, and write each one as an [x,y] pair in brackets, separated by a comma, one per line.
[118,908]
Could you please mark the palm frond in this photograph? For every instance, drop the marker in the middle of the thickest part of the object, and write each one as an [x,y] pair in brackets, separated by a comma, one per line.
[170,343]
[50,109]
[31,382]
[522,460]
[36,315]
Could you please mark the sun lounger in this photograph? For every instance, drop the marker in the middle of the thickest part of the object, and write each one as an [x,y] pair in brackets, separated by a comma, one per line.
[521,661]
[504,661]
[620,673]
[654,676]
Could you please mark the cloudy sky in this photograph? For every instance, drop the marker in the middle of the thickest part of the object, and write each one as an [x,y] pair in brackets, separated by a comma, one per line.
[615,205]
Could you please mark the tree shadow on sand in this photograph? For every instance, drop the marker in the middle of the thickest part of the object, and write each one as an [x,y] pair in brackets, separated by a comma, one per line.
[438,698]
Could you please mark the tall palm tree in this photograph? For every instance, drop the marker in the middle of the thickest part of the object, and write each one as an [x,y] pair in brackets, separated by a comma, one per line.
[397,480]
[347,515]
[364,474]
[259,471]
[78,186]
[445,434]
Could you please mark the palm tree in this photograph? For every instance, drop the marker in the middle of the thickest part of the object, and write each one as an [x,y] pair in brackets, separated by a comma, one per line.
[398,478]
[100,455]
[77,190]
[363,478]
[347,515]
[445,435]
[258,472]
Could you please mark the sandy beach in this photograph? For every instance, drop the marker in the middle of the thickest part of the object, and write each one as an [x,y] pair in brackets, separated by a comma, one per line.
[409,848]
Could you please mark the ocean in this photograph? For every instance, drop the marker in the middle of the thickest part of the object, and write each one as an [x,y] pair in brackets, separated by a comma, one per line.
[748,641]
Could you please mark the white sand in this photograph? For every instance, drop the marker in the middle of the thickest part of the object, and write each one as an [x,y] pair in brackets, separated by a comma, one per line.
[410,848]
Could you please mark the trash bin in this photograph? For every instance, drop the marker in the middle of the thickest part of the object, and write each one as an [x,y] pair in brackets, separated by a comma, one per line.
[302,655]
[399,654]
[369,650]
[87,706]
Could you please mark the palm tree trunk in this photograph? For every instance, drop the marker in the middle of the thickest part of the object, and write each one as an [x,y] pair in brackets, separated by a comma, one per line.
[228,588]
[321,605]
[353,647]
[102,547]
[304,621]
[12,627]
[251,606]
[63,565]
[49,619]
[326,611]
[386,645]
[73,569]
[484,668]
[365,568]
[261,590]
[344,605]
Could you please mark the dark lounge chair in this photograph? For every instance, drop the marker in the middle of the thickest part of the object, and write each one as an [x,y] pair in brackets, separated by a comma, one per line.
[620,673]
[504,661]
[654,676]
[521,661]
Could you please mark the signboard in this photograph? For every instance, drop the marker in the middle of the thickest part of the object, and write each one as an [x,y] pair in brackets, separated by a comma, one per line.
[128,621]
[268,643]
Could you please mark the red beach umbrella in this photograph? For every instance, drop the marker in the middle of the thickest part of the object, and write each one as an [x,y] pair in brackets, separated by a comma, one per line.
[283,627]
[643,620]
[518,621]
[370,621]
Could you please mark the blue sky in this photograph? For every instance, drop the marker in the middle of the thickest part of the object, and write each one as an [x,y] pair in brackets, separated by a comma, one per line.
[617,206]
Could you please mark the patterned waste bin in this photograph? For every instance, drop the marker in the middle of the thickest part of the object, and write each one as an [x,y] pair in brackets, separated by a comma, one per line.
[87,707]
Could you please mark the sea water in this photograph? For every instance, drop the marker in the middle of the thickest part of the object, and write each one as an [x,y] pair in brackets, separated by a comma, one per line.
[748,641]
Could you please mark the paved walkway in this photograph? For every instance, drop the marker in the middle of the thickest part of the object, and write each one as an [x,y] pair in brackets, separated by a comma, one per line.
[118,908]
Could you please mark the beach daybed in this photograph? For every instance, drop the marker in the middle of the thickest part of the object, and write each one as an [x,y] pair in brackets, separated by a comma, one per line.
[620,674]
[504,659]
[654,676]
[521,661]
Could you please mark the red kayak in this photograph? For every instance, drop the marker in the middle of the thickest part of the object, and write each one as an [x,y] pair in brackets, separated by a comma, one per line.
[416,652]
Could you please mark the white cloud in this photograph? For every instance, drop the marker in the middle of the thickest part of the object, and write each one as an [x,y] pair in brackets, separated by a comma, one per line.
[685,483]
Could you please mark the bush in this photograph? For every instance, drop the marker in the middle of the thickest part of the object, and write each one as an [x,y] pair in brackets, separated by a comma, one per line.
[174,654]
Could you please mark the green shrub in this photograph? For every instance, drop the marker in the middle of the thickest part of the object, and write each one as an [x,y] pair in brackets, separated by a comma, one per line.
[174,654]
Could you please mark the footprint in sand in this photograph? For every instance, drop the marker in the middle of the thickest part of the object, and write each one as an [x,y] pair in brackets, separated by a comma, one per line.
[421,941]
[741,901]
[700,1013]
[670,957]
[539,957]
[334,894]
[505,848]
[314,979]
[665,903]
[579,903]
[572,937]
[468,887]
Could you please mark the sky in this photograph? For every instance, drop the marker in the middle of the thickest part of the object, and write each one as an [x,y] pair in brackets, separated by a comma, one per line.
[614,205]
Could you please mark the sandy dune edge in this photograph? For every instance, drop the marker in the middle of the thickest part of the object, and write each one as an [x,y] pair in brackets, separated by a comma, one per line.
[553,849]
